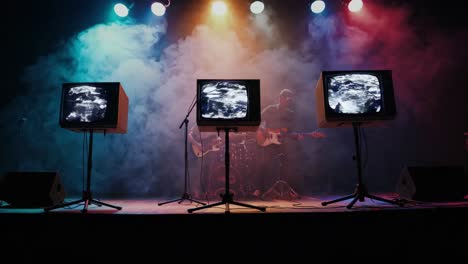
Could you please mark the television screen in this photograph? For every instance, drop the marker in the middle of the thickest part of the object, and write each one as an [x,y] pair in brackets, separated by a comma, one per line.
[85,103]
[346,97]
[228,103]
[94,106]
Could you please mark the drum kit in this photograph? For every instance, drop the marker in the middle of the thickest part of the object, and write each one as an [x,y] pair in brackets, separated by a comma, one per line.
[242,149]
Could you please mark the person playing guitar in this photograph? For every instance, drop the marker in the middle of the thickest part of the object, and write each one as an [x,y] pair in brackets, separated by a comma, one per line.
[213,143]
[277,119]
[268,136]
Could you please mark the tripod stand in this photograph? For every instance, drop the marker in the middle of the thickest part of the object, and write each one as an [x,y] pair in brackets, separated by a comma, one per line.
[360,193]
[185,194]
[87,197]
[281,189]
[227,196]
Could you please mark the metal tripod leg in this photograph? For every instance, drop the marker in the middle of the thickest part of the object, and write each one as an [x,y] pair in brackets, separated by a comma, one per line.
[360,194]
[339,199]
[185,196]
[63,205]
[280,190]
[87,202]
[227,199]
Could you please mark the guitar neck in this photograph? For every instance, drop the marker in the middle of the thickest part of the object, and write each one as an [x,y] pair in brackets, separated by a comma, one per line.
[274,136]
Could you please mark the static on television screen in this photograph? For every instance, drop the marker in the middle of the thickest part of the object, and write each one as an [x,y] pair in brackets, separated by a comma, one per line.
[84,104]
[354,93]
[224,100]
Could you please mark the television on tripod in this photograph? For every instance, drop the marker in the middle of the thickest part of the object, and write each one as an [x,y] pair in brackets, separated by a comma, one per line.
[228,104]
[97,106]
[357,96]
[225,103]
[91,107]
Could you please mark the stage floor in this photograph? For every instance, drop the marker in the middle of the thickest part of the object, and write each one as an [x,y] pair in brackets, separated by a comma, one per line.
[293,229]
[305,204]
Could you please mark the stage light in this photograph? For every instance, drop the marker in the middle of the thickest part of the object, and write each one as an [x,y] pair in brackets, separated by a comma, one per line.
[219,8]
[257,7]
[355,5]
[121,10]
[317,6]
[158,9]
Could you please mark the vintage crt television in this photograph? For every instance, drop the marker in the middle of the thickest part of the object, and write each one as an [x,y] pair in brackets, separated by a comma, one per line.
[96,106]
[228,103]
[358,96]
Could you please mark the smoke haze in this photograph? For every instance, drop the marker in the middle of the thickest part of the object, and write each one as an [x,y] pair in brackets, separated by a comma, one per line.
[160,81]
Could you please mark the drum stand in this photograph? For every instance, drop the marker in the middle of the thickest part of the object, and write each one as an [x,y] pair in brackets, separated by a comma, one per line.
[281,189]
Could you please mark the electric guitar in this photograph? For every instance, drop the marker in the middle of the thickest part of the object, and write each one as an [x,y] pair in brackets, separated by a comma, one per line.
[275,136]
[197,148]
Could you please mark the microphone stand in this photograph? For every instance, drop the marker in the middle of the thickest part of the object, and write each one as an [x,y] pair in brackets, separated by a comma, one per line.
[185,194]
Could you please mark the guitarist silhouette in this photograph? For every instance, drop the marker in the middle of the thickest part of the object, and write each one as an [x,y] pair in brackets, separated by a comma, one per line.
[206,150]
[277,119]
[213,143]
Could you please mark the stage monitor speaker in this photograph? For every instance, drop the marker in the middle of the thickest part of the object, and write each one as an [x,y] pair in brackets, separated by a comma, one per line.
[432,183]
[31,189]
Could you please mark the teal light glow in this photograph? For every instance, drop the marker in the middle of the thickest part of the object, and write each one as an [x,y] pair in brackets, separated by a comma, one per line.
[121,10]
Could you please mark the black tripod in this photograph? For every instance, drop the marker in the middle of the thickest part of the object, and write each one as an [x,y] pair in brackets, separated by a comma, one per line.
[281,189]
[87,195]
[185,195]
[360,193]
[227,196]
